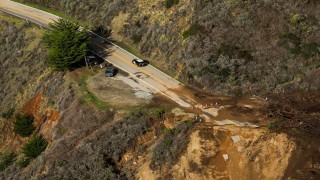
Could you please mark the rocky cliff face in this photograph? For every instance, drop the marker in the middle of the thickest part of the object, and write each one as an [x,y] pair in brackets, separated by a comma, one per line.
[225,47]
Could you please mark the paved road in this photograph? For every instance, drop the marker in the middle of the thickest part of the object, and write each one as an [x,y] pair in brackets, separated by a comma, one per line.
[37,16]
[149,75]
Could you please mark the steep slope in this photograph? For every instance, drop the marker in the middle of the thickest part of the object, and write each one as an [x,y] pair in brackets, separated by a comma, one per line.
[74,128]
[226,47]
[27,85]
[145,141]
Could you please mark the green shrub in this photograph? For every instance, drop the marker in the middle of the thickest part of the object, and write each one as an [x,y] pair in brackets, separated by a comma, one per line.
[167,143]
[244,54]
[23,125]
[295,130]
[292,43]
[169,3]
[234,52]
[102,31]
[8,114]
[192,30]
[167,131]
[136,38]
[224,73]
[273,124]
[291,37]
[227,49]
[190,124]
[158,112]
[296,19]
[295,50]
[309,49]
[23,162]
[6,160]
[238,92]
[34,147]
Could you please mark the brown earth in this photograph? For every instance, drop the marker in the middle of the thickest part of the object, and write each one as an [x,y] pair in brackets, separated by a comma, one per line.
[45,121]
[260,154]
[114,92]
[276,153]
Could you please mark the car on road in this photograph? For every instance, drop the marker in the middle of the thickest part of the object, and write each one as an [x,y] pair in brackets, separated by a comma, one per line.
[110,72]
[140,62]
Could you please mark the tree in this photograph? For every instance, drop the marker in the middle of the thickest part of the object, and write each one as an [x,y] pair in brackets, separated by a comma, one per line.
[23,125]
[34,147]
[67,44]
[6,160]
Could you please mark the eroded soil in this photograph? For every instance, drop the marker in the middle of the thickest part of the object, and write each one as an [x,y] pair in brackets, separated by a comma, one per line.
[287,149]
[260,153]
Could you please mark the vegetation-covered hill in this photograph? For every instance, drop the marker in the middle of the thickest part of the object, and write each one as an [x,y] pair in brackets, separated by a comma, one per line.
[231,47]
[228,47]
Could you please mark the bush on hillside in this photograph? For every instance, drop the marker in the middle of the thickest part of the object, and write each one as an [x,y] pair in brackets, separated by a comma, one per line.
[235,52]
[170,3]
[23,162]
[310,49]
[23,125]
[136,38]
[158,112]
[34,147]
[296,18]
[273,124]
[192,30]
[8,114]
[172,145]
[6,160]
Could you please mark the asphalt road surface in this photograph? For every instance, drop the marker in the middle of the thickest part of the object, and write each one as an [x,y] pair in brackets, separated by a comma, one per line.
[149,75]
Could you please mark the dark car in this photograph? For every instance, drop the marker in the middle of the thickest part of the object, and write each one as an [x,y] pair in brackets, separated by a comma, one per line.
[107,64]
[93,60]
[110,72]
[140,62]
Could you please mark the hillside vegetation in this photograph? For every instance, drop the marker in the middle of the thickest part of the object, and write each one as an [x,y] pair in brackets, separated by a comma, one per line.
[53,127]
[231,47]
[47,121]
